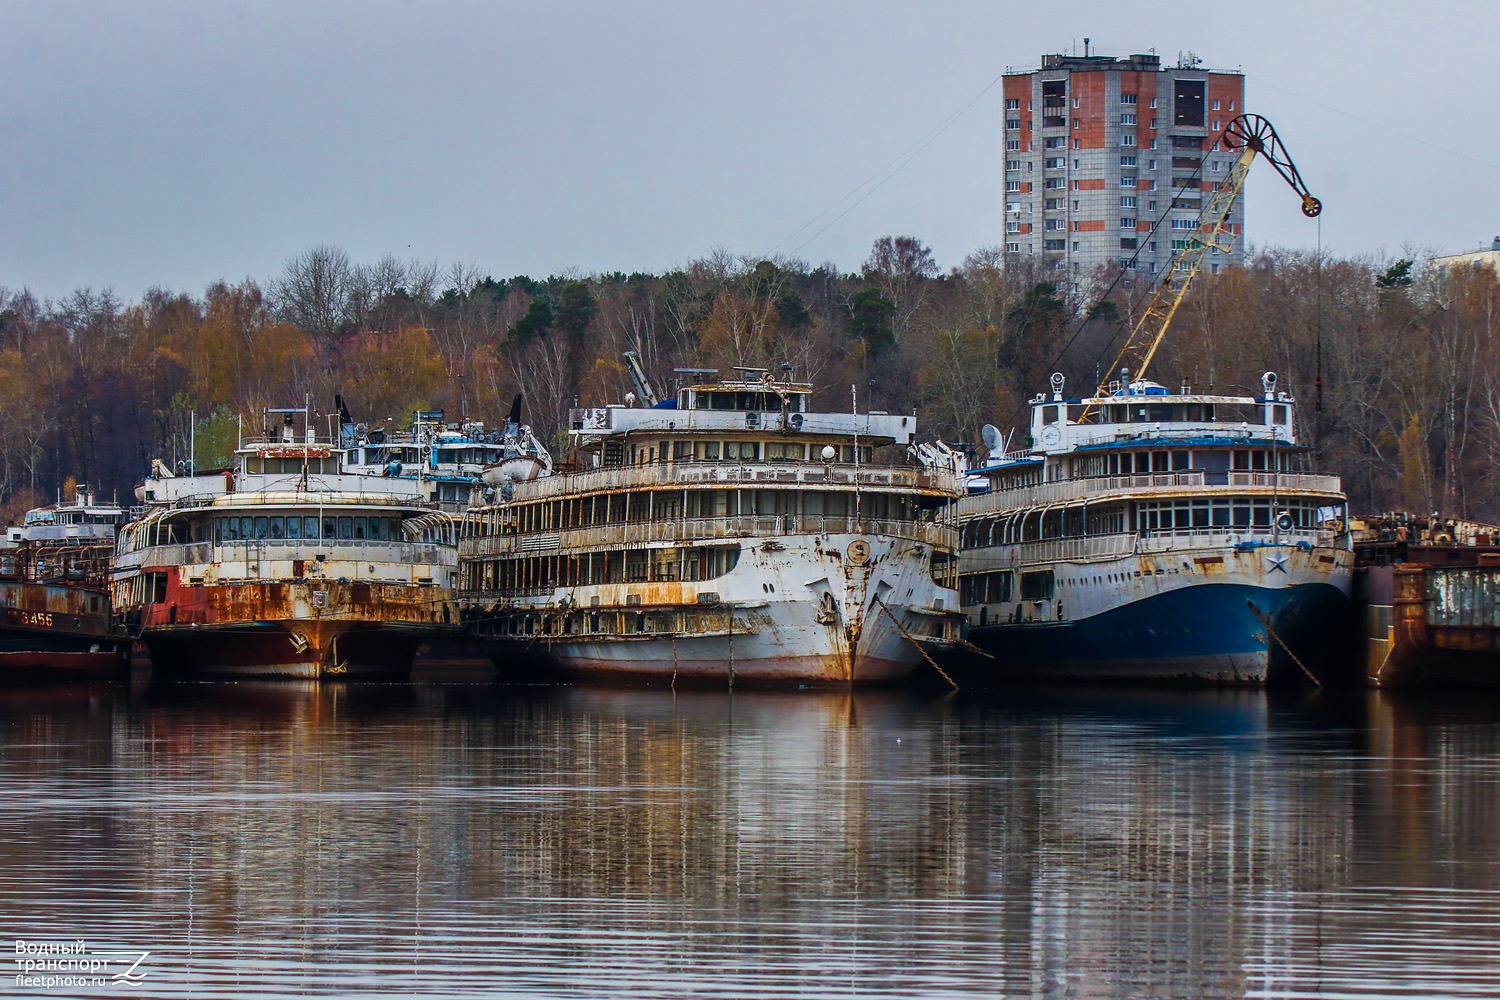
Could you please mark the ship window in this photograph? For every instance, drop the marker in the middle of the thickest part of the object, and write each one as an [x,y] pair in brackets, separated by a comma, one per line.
[1242,460]
[247,528]
[1037,586]
[1049,414]
[710,451]
[1257,460]
[1126,464]
[1221,515]
[294,527]
[1159,461]
[1179,460]
[328,527]
[1242,514]
[360,524]
[1261,515]
[278,527]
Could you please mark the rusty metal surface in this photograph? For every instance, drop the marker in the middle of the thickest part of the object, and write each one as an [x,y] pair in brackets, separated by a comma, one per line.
[1467,597]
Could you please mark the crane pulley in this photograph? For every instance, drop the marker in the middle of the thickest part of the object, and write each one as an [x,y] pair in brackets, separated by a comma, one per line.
[1252,136]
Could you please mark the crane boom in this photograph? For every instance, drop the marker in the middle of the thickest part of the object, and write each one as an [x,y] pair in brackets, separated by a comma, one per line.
[638,376]
[1251,135]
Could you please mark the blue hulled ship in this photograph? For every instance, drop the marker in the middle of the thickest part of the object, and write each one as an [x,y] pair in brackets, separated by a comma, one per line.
[1152,535]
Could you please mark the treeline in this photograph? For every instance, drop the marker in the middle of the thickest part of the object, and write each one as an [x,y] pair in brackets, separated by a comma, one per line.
[1396,368]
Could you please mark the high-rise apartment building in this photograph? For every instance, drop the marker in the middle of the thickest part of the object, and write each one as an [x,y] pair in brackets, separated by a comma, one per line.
[1098,148]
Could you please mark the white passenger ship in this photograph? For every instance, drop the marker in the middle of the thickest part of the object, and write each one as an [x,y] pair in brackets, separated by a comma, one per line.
[285,566]
[1166,536]
[725,535]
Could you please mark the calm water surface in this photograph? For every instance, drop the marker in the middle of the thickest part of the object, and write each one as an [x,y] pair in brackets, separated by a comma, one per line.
[468,840]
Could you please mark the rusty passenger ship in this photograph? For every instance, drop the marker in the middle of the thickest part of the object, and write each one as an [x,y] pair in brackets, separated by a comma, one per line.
[284,565]
[727,534]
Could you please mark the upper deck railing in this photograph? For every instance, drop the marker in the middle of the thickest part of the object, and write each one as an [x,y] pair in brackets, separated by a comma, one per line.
[694,529]
[1189,480]
[757,474]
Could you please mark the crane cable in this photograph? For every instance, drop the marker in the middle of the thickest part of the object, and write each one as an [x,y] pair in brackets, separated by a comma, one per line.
[1190,181]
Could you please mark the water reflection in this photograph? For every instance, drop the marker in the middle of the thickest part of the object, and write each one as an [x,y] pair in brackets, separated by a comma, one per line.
[444,839]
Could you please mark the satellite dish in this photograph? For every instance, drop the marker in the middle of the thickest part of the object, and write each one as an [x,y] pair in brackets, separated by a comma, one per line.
[991,435]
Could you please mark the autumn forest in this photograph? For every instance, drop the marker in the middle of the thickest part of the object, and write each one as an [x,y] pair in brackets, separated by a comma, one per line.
[1396,366]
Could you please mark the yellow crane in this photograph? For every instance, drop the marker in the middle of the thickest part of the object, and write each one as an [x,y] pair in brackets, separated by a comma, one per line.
[1252,135]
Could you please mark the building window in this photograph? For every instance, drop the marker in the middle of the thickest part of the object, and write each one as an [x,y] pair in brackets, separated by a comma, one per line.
[1127,181]
[1151,267]
[1075,245]
[1150,185]
[1013,205]
[1127,201]
[1053,183]
[1053,205]
[1214,186]
[1077,144]
[1127,223]
[1055,163]
[1055,245]
[1231,105]
[1127,98]
[1013,145]
[1127,138]
[1013,124]
[1076,227]
[1127,242]
[1179,244]
[1127,119]
[1012,186]
[1150,164]
[1184,223]
[1012,227]
[1012,164]
[1187,103]
[1056,224]
[1013,104]
[1075,103]
[1127,263]
[1153,143]
[1150,206]
[1216,104]
[1153,103]
[1152,246]
[1153,123]
[1012,248]
[1075,164]
[1076,123]
[1075,205]
[1057,142]
[1216,124]
[1127,161]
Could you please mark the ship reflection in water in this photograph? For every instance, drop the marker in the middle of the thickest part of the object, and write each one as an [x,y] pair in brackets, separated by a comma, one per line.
[443,840]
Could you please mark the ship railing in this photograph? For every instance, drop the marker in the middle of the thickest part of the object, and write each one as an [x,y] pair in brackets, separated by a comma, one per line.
[347,549]
[1093,547]
[1189,479]
[768,526]
[686,472]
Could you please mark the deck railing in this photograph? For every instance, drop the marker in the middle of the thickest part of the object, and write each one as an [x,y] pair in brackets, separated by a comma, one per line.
[757,474]
[769,526]
[1187,480]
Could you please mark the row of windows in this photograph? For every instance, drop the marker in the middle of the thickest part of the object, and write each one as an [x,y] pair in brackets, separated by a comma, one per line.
[1129,100]
[240,529]
[706,562]
[1146,518]
[744,451]
[676,505]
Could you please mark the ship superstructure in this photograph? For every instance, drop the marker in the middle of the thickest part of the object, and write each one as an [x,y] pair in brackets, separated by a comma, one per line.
[728,534]
[54,591]
[285,565]
[446,460]
[1149,534]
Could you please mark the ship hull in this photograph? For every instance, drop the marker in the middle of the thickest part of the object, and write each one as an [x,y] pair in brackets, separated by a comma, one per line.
[795,611]
[1208,633]
[308,650]
[54,631]
[1431,626]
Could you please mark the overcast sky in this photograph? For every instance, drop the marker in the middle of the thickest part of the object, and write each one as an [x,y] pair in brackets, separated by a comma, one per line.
[174,144]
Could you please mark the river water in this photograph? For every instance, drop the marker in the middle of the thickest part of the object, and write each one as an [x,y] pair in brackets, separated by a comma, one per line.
[452,839]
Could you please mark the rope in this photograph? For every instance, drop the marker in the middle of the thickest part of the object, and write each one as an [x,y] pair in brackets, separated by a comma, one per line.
[909,638]
[1266,621]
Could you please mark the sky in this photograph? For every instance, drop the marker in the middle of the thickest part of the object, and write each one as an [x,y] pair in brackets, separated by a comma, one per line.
[173,144]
